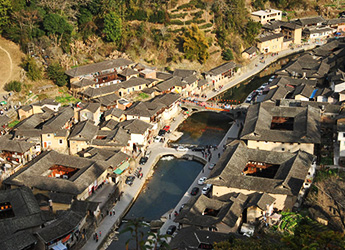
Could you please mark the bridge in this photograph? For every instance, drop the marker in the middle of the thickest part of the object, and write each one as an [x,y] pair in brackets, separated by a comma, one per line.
[198,106]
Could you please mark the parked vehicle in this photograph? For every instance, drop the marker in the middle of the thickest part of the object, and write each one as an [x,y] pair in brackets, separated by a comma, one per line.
[143,160]
[182,206]
[147,154]
[202,180]
[129,180]
[194,191]
[158,138]
[181,148]
[166,128]
[171,229]
[211,166]
[206,189]
[161,132]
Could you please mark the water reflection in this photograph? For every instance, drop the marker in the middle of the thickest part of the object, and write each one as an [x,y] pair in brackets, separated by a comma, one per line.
[242,90]
[170,181]
[204,128]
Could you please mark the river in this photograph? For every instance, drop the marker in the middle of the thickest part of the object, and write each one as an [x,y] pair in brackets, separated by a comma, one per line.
[242,90]
[172,176]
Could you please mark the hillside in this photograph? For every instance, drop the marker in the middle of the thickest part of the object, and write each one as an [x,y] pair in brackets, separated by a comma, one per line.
[153,32]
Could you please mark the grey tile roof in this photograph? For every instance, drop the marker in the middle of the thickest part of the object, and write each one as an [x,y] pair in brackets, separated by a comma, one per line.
[133,82]
[92,107]
[222,68]
[114,112]
[315,31]
[183,72]
[27,213]
[335,21]
[84,83]
[229,212]
[163,75]
[110,124]
[34,173]
[270,37]
[128,72]
[114,158]
[14,145]
[118,137]
[98,67]
[58,120]
[101,91]
[310,20]
[292,171]
[83,131]
[251,50]
[107,100]
[306,124]
[169,83]
[135,126]
[304,90]
[202,82]
[144,109]
[83,207]
[62,226]
[19,240]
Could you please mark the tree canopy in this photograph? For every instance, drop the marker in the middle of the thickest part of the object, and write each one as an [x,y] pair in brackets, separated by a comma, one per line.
[112,27]
[195,44]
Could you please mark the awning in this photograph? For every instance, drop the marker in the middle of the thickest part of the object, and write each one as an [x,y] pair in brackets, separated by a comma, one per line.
[59,246]
[122,168]
[314,93]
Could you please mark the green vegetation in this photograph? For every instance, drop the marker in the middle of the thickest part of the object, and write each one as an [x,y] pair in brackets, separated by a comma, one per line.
[57,74]
[66,99]
[34,72]
[227,55]
[112,27]
[5,9]
[14,86]
[14,123]
[195,45]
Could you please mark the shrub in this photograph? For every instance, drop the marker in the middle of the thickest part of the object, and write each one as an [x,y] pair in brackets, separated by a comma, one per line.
[205,26]
[177,22]
[34,72]
[57,74]
[227,55]
[13,86]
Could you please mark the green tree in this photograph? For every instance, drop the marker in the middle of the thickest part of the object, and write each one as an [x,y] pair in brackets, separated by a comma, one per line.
[195,44]
[13,86]
[157,241]
[227,55]
[134,227]
[112,27]
[57,74]
[34,72]
[55,24]
[252,30]
[5,9]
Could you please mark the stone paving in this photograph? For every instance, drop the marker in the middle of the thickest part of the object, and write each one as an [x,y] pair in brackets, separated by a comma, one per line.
[131,192]
[159,149]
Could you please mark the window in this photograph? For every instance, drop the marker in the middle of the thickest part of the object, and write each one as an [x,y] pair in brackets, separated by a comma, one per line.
[48,135]
[60,141]
[343,134]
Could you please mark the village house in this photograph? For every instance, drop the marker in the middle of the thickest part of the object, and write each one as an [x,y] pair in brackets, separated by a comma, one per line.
[269,126]
[128,73]
[90,111]
[132,85]
[317,33]
[114,114]
[55,131]
[140,132]
[285,176]
[264,16]
[337,25]
[222,72]
[20,215]
[38,107]
[81,136]
[60,173]
[270,43]
[249,53]
[102,72]
[117,160]
[112,137]
[306,66]
[308,22]
[107,101]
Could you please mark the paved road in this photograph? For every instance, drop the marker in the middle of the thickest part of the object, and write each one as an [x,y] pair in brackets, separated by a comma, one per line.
[250,70]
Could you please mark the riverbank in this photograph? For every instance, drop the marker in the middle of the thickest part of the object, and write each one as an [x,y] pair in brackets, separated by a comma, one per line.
[253,68]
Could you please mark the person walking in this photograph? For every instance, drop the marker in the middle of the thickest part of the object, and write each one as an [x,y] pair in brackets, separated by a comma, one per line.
[100,233]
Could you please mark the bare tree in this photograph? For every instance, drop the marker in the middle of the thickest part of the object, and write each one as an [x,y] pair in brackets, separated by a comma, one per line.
[64,7]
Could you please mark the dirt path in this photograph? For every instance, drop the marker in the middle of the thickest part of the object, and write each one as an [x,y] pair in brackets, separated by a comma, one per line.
[11,66]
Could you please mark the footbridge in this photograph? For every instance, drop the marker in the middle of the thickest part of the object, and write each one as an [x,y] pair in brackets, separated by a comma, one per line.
[198,106]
